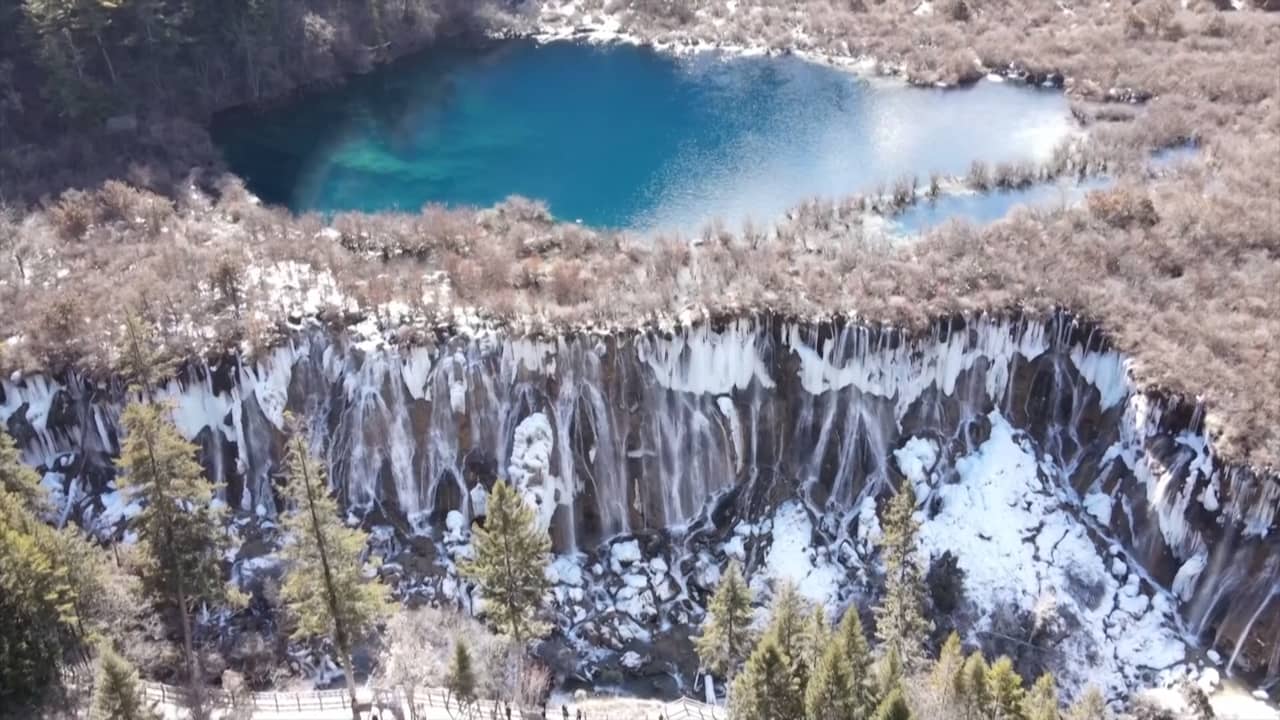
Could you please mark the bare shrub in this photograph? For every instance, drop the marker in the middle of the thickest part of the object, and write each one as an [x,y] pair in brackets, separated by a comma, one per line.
[119,202]
[935,186]
[957,10]
[904,191]
[534,684]
[227,279]
[1122,208]
[72,215]
[979,177]
[421,642]
[945,581]
[1215,26]
[568,284]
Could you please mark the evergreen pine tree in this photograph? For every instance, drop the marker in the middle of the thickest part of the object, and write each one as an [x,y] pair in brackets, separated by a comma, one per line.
[117,693]
[817,635]
[1091,705]
[787,625]
[831,693]
[726,632]
[1042,702]
[51,587]
[893,707]
[900,621]
[766,688]
[511,557]
[87,570]
[141,362]
[977,696]
[1004,687]
[325,589]
[181,532]
[854,643]
[947,678]
[787,620]
[888,672]
[461,681]
[20,481]
[37,604]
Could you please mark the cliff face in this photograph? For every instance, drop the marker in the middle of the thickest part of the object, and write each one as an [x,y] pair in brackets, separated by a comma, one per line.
[698,430]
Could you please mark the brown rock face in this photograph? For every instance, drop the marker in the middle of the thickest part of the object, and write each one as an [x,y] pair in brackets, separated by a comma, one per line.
[637,432]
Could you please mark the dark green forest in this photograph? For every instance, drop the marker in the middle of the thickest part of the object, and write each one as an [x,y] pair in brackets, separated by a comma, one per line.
[84,80]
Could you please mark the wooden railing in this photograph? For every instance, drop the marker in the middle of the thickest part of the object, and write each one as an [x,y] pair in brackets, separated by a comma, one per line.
[685,708]
[277,702]
[424,700]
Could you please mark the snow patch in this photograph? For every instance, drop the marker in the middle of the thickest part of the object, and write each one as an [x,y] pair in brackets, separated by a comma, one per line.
[701,360]
[871,363]
[1020,545]
[530,467]
[791,556]
[1099,506]
[916,458]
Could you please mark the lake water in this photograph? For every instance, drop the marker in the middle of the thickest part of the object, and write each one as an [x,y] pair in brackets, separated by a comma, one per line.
[982,208]
[622,136]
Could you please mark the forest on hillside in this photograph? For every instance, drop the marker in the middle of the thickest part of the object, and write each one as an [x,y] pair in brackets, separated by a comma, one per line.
[80,78]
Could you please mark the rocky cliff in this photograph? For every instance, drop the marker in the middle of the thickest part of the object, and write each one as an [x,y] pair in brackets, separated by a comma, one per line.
[758,437]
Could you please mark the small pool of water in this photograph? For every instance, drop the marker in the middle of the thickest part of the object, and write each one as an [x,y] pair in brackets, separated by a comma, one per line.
[622,136]
[982,208]
[1172,157]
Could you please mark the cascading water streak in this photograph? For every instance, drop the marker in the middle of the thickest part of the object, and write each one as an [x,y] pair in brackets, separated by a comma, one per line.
[612,434]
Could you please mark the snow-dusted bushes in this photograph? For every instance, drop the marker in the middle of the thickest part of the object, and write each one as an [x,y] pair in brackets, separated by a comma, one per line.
[420,642]
[1123,208]
[1187,288]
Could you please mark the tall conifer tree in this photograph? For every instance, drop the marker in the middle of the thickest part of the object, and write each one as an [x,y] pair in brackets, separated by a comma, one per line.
[181,532]
[893,707]
[1091,705]
[51,585]
[37,601]
[1042,702]
[788,625]
[117,692]
[766,689]
[1004,686]
[325,589]
[900,620]
[726,632]
[831,693]
[462,680]
[947,677]
[853,641]
[817,635]
[511,557]
[977,695]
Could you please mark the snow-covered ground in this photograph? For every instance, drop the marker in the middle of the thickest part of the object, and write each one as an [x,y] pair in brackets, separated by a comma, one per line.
[1021,544]
[1018,537]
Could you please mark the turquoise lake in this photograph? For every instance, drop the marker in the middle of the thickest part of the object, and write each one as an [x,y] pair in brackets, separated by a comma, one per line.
[621,136]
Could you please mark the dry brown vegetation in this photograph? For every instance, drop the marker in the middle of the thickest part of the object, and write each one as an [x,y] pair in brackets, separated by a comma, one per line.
[1183,269]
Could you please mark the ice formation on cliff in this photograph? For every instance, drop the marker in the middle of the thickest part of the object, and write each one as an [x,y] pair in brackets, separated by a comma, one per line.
[626,434]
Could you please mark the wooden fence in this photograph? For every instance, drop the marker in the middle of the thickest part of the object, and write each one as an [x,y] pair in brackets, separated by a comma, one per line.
[424,701]
[312,701]
[686,709]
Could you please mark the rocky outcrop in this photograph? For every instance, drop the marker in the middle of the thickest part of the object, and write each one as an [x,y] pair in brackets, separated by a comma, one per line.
[690,432]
